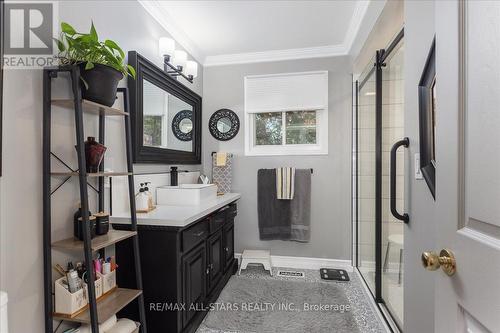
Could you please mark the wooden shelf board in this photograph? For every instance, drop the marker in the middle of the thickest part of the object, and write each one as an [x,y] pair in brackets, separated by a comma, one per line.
[99,242]
[96,174]
[107,306]
[90,107]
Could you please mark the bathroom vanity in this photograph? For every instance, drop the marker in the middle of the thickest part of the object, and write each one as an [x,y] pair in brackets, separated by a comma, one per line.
[187,257]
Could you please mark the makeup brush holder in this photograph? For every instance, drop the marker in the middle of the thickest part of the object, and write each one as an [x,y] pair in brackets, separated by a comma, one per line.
[108,281]
[71,304]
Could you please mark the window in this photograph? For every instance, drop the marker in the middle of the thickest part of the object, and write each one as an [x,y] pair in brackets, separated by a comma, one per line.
[286,114]
[285,128]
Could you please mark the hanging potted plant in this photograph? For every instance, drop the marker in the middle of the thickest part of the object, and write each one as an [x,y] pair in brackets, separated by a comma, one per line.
[101,64]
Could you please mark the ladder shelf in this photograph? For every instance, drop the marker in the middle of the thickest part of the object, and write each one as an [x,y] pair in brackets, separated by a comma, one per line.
[108,305]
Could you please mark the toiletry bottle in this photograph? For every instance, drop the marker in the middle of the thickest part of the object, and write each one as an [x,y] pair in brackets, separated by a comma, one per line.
[149,194]
[141,200]
[174,176]
[72,277]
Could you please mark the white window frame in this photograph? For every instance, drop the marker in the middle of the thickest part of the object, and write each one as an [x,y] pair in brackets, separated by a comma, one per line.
[321,146]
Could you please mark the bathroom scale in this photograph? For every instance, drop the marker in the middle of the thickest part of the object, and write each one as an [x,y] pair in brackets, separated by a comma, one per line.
[334,274]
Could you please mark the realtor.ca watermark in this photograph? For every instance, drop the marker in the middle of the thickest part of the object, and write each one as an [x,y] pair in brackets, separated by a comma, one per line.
[250,307]
[28,36]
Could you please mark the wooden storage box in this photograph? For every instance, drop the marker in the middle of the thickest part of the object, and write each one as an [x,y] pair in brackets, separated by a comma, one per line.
[108,281]
[71,304]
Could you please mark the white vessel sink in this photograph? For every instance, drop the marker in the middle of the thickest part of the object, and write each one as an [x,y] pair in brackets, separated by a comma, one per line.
[186,194]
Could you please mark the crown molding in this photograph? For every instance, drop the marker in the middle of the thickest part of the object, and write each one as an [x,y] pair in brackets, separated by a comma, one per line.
[158,12]
[369,17]
[362,13]
[276,55]
[355,24]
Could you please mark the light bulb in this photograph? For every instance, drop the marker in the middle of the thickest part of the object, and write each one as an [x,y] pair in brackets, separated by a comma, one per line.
[166,46]
[179,59]
[191,69]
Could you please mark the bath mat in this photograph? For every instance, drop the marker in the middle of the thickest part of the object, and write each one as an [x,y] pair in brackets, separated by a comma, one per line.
[273,305]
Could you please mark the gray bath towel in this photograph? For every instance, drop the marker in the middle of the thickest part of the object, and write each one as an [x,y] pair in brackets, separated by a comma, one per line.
[301,207]
[284,219]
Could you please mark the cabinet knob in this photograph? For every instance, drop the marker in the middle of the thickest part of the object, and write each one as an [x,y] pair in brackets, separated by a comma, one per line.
[227,249]
[208,271]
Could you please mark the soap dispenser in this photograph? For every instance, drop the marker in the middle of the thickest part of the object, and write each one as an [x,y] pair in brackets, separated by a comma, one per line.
[174,176]
[150,196]
[141,200]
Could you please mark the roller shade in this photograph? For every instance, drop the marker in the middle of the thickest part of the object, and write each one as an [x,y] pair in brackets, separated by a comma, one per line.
[286,92]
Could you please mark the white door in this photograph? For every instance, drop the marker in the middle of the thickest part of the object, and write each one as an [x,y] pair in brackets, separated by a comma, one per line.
[468,164]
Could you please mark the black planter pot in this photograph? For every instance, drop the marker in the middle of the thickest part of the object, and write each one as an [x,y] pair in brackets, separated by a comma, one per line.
[102,83]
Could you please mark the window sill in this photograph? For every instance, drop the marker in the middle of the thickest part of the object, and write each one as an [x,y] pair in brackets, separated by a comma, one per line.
[285,151]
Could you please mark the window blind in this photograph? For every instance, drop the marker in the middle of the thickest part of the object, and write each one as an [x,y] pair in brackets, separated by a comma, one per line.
[286,92]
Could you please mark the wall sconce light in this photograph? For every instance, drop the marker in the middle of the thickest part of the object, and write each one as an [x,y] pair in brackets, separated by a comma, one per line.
[175,62]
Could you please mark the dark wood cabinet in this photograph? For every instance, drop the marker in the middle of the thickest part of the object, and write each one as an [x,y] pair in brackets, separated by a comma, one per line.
[194,272]
[183,269]
[215,259]
[228,236]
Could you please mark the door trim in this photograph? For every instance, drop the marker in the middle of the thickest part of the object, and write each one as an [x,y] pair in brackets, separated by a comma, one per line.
[462,109]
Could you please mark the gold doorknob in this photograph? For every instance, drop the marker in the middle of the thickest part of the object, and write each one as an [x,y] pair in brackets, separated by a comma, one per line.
[445,260]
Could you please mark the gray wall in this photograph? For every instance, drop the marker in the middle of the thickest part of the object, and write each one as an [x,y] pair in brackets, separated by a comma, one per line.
[330,218]
[21,183]
[419,233]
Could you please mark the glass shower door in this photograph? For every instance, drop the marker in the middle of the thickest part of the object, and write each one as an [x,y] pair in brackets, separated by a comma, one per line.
[392,228]
[365,196]
[378,125]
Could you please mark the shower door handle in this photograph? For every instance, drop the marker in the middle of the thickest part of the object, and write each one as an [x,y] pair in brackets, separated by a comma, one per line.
[405,143]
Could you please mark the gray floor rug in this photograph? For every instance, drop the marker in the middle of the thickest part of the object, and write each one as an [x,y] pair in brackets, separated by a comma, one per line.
[265,306]
[227,321]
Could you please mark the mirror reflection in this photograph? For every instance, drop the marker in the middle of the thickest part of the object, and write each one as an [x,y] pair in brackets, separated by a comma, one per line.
[186,125]
[224,125]
[159,110]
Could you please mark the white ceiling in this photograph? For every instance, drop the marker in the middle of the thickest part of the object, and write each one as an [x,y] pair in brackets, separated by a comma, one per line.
[226,32]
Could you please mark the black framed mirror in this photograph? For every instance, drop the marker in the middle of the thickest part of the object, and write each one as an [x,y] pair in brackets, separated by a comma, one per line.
[427,120]
[165,114]
[224,124]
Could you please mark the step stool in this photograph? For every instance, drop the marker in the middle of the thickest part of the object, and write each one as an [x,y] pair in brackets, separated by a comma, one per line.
[256,257]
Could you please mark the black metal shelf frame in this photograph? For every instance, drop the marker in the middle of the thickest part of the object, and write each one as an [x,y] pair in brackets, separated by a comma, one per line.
[50,73]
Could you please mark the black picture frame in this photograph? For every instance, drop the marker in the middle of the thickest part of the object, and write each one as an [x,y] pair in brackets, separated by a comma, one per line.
[426,104]
[146,154]
[176,125]
[214,119]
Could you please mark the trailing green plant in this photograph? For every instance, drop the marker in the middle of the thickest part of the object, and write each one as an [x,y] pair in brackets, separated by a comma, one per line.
[76,48]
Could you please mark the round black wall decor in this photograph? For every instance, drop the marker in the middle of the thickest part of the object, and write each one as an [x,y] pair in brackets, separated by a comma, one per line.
[224,124]
[182,125]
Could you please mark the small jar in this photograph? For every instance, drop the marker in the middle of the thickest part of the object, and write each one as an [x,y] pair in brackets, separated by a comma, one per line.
[79,228]
[102,223]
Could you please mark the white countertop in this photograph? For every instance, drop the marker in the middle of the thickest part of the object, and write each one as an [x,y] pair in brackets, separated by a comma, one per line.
[177,216]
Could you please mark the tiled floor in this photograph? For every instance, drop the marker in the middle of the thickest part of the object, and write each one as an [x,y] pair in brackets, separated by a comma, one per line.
[362,309]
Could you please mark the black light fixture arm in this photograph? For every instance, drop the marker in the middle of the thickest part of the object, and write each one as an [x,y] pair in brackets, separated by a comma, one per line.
[173,70]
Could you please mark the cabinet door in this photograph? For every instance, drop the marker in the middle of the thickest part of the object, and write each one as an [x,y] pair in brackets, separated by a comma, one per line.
[228,244]
[194,272]
[215,259]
